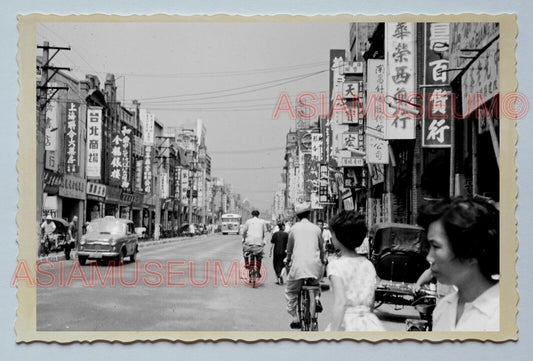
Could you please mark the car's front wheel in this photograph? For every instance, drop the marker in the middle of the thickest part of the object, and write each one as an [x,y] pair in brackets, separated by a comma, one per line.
[133,256]
[120,258]
[82,260]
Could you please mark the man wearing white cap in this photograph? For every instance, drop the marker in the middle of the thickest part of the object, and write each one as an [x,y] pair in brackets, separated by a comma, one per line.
[47,228]
[305,255]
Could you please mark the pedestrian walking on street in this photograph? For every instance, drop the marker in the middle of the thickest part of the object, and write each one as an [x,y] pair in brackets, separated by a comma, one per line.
[464,240]
[352,277]
[279,248]
[73,237]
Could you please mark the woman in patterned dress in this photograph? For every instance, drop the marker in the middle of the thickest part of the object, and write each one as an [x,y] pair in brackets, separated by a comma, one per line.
[352,277]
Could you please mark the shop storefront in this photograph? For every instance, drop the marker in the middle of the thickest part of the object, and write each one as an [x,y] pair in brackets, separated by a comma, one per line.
[52,181]
[148,221]
[96,194]
[137,210]
[112,201]
[72,193]
[126,199]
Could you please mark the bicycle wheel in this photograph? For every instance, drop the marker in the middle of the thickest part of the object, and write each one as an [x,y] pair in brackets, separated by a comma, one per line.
[313,315]
[306,321]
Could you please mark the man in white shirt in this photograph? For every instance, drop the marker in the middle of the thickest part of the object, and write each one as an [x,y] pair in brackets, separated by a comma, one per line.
[253,238]
[305,255]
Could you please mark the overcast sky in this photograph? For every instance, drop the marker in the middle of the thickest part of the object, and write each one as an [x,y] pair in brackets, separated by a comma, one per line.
[230,75]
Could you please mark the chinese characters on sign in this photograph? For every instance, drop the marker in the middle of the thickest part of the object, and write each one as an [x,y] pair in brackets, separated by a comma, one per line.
[376,145]
[50,136]
[94,142]
[116,158]
[126,161]
[324,184]
[72,137]
[164,185]
[147,121]
[147,174]
[400,86]
[436,125]
[377,150]
[316,158]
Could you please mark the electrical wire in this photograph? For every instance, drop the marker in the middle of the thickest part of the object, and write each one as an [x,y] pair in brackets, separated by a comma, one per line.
[282,82]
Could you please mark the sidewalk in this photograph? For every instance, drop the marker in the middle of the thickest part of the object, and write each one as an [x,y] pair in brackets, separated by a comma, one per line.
[60,256]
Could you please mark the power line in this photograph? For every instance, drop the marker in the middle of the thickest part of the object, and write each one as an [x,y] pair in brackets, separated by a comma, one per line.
[282,80]
[245,151]
[224,73]
[73,49]
[245,169]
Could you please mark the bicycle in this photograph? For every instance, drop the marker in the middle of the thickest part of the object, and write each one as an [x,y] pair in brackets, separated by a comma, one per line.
[253,263]
[309,305]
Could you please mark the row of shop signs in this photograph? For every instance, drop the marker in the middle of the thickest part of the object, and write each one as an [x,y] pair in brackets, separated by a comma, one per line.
[69,186]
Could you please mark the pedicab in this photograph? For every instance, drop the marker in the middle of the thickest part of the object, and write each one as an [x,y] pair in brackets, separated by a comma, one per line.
[59,240]
[398,252]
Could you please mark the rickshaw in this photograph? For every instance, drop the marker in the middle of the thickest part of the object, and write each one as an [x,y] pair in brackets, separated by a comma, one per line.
[398,252]
[59,240]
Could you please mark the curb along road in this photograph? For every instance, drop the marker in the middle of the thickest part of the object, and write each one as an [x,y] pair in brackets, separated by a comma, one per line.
[60,256]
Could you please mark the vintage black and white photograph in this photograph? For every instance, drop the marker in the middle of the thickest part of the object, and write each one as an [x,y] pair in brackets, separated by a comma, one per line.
[320,179]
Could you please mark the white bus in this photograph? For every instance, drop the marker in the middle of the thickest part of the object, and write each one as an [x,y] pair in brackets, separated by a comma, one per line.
[231,223]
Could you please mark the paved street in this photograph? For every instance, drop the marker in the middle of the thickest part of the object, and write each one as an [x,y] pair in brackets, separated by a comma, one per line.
[192,284]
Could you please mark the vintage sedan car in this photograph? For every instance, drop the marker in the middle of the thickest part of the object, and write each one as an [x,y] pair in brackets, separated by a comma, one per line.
[109,238]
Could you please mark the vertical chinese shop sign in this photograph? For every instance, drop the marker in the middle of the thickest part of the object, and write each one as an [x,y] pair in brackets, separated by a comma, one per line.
[94,142]
[436,124]
[72,148]
[400,58]
[126,157]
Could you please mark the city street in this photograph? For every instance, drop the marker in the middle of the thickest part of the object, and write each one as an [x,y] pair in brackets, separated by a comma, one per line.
[160,293]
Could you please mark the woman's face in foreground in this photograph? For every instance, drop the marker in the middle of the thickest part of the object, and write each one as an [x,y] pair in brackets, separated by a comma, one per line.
[445,266]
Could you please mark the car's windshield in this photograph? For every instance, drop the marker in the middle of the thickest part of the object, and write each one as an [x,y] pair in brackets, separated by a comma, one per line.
[107,227]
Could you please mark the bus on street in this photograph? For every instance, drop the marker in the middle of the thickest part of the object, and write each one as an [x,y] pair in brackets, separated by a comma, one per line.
[231,223]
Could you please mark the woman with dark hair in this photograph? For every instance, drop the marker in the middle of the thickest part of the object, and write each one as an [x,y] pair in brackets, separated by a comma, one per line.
[463,235]
[352,277]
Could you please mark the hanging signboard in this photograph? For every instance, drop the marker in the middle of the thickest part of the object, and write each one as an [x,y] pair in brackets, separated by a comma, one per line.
[94,142]
[351,89]
[126,157]
[164,185]
[115,163]
[436,123]
[147,122]
[376,94]
[481,81]
[377,150]
[72,131]
[352,67]
[347,199]
[147,171]
[400,57]
[51,130]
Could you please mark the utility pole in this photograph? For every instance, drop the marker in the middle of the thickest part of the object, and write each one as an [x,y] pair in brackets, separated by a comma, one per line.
[42,100]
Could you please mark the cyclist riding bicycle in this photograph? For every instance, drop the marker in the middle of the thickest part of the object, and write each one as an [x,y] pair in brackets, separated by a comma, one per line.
[47,229]
[305,257]
[253,239]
